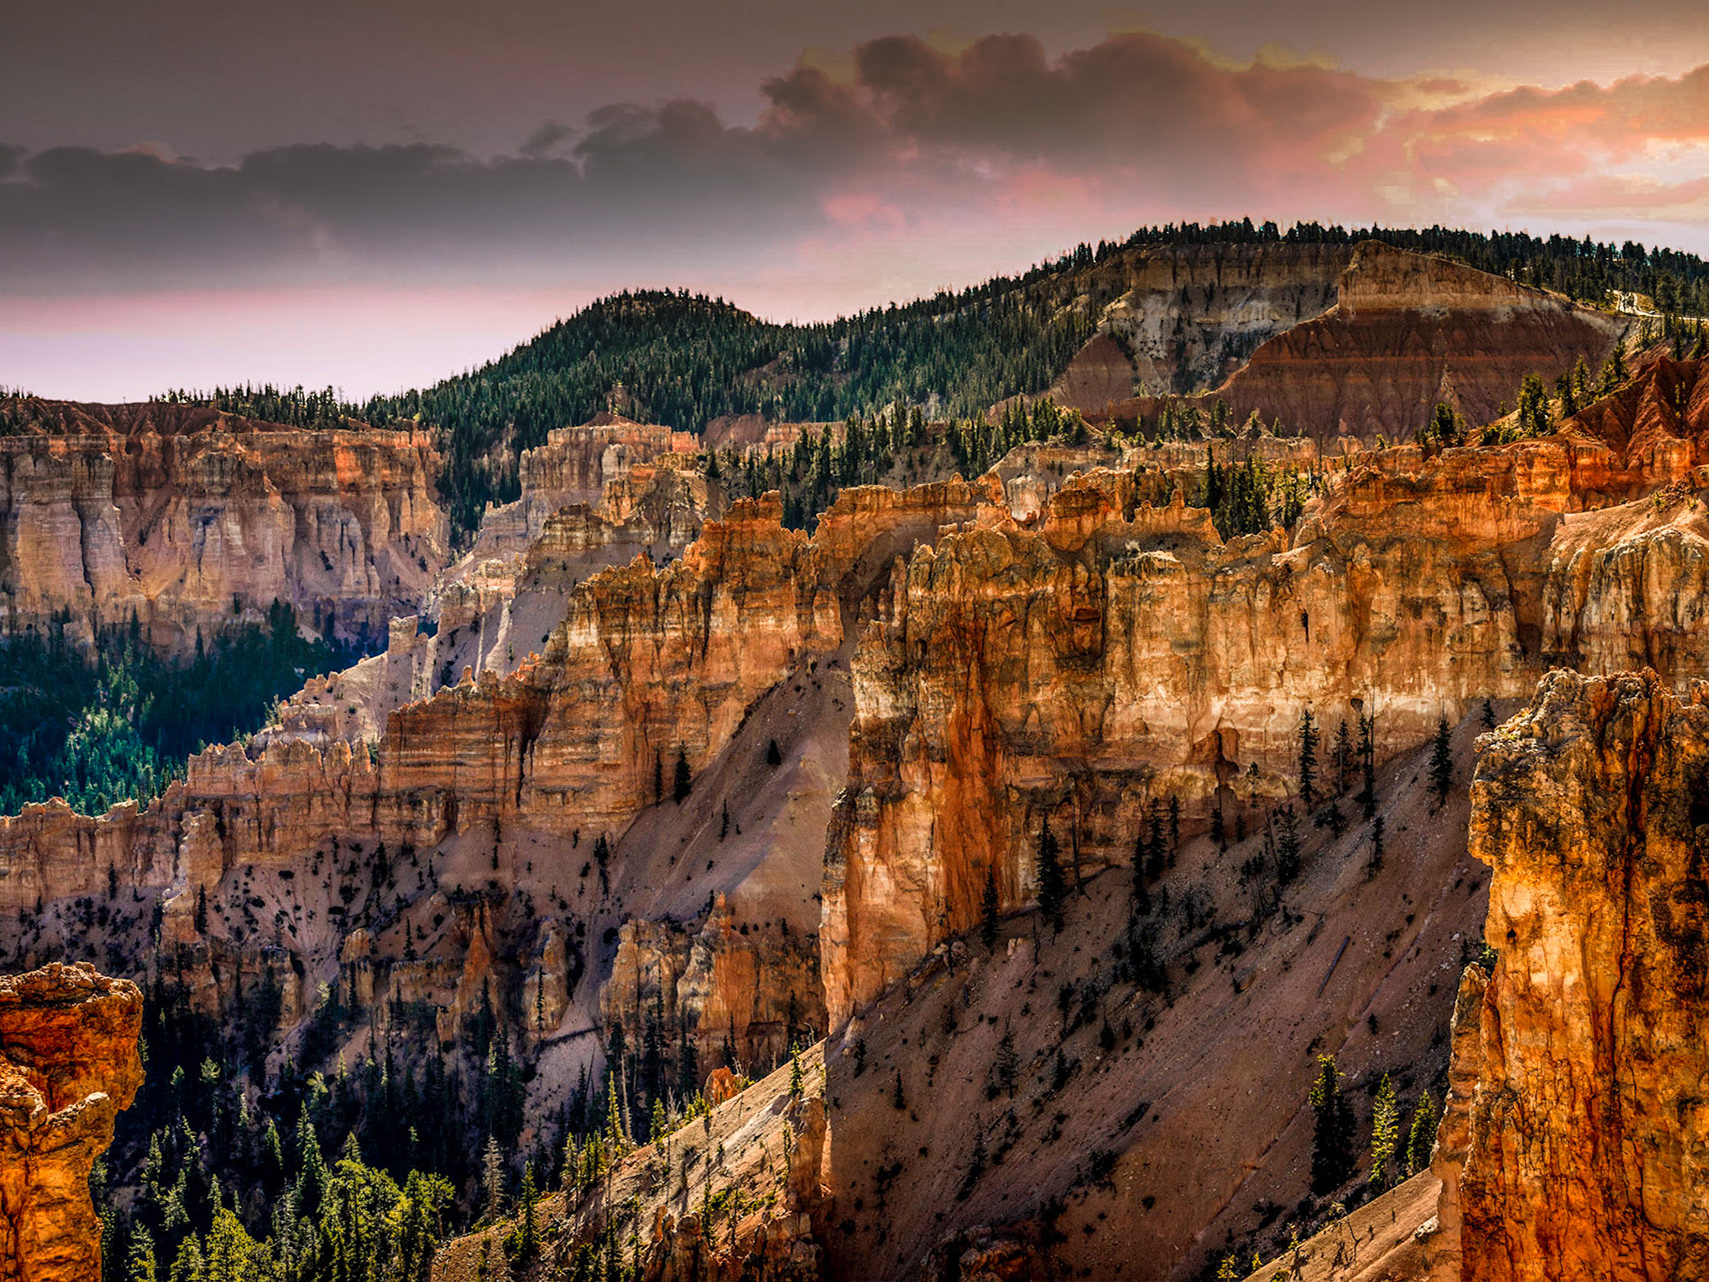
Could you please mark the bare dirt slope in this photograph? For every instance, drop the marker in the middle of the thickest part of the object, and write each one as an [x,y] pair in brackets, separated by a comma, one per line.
[1092,1146]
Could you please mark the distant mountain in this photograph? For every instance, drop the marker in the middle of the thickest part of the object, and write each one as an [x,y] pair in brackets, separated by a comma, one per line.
[687,360]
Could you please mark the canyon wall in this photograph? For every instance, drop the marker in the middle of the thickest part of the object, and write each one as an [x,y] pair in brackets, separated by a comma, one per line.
[189,520]
[1588,1152]
[1074,668]
[68,1064]
[496,790]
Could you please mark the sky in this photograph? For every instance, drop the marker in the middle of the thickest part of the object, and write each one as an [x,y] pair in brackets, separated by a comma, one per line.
[373,194]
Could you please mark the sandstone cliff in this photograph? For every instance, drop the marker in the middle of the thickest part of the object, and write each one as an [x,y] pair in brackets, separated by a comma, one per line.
[190,519]
[1075,667]
[68,1065]
[1586,1154]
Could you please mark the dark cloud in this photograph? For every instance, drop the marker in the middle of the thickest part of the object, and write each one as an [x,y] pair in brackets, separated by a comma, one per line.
[546,139]
[912,142]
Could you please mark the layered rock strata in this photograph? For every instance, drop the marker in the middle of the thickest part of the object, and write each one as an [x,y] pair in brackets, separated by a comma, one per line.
[190,519]
[1405,330]
[1073,668]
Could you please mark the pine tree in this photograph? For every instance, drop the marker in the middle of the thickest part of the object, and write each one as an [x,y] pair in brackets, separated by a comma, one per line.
[201,910]
[1385,1135]
[312,1175]
[1422,1136]
[1583,389]
[1368,763]
[1533,407]
[658,776]
[1343,755]
[188,1266]
[1219,834]
[724,822]
[139,1260]
[1334,818]
[1374,864]
[1442,761]
[1287,846]
[492,1179]
[684,782]
[898,1101]
[1154,841]
[1332,1155]
[773,754]
[1308,759]
[988,910]
[1052,883]
[529,1240]
[1488,715]
[1174,827]
[796,1083]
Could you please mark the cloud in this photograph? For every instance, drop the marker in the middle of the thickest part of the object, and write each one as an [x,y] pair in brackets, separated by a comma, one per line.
[900,158]
[546,139]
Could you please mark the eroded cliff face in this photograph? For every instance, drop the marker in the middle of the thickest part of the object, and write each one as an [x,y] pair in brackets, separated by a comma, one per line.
[1588,1150]
[1193,314]
[68,1065]
[191,520]
[716,981]
[433,847]
[1396,332]
[1074,668]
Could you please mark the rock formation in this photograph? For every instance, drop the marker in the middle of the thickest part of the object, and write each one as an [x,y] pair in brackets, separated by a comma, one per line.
[68,1065]
[715,983]
[1377,336]
[1075,667]
[190,519]
[1588,1134]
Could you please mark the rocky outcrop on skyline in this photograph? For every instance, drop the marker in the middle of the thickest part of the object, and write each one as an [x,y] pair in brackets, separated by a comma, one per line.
[1326,340]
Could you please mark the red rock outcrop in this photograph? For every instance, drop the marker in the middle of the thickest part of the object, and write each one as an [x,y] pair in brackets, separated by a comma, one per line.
[68,1065]
[1407,330]
[190,518]
[1588,1148]
[1192,315]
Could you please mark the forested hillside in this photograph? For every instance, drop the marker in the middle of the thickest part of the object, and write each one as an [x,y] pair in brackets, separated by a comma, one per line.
[686,359]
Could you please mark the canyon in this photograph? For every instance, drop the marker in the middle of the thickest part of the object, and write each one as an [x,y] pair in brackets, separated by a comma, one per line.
[642,766]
